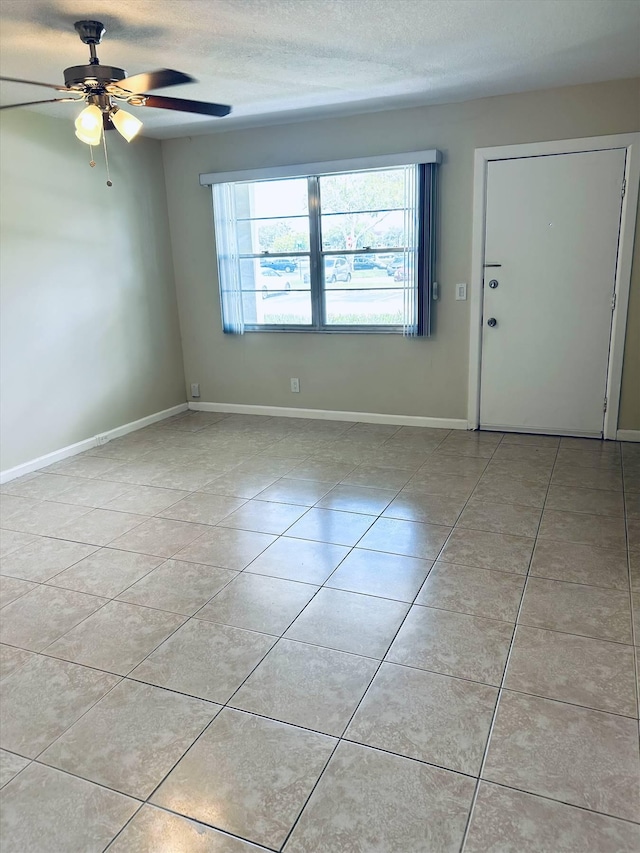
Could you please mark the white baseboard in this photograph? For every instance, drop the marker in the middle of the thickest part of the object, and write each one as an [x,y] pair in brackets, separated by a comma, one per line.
[87,444]
[47,459]
[628,435]
[141,423]
[329,415]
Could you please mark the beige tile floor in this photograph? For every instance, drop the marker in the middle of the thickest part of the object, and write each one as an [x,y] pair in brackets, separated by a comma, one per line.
[226,634]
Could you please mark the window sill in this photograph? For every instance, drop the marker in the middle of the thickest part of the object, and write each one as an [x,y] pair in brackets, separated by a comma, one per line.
[338,330]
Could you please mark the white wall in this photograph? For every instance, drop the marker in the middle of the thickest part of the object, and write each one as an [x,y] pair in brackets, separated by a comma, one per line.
[371,373]
[90,336]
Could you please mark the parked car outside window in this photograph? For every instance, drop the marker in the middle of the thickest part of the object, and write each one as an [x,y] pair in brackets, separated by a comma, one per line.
[286,264]
[337,269]
[368,262]
[398,261]
[272,282]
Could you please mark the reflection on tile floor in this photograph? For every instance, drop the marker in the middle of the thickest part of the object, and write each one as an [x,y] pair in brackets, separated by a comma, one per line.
[238,634]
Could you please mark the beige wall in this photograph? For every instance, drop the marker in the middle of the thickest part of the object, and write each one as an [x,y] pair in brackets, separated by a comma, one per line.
[371,373]
[90,338]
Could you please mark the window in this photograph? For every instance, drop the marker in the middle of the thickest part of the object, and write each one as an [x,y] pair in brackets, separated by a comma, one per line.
[338,250]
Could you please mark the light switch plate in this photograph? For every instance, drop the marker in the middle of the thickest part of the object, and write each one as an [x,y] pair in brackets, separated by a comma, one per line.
[461,292]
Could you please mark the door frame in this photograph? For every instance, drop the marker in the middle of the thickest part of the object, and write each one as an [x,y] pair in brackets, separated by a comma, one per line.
[483,156]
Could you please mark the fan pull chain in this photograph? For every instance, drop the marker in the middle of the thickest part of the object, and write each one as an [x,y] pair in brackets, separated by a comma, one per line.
[106,159]
[92,162]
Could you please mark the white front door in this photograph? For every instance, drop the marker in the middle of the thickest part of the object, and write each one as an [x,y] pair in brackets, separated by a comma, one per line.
[552,225]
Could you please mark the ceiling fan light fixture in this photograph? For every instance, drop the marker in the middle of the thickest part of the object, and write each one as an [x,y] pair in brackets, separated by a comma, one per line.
[125,123]
[100,85]
[89,125]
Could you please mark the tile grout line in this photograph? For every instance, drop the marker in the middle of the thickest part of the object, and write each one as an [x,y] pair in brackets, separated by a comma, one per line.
[165,559]
[189,617]
[492,724]
[126,677]
[634,639]
[188,818]
[341,739]
[130,486]
[194,616]
[224,832]
[215,829]
[549,799]
[190,493]
[465,679]
[121,677]
[38,760]
[226,704]
[281,636]
[502,688]
[95,669]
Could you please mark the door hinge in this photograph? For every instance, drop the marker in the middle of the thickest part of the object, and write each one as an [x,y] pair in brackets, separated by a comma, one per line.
[605,404]
[624,186]
[613,301]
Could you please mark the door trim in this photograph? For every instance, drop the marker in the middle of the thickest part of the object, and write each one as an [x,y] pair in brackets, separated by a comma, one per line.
[483,156]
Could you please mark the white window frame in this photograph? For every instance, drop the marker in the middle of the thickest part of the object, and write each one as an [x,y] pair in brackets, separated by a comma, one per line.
[308,170]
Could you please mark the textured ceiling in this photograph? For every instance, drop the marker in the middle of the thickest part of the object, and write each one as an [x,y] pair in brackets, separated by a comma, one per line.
[280,60]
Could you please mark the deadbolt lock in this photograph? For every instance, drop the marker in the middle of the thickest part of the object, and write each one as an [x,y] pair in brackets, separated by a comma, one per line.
[493,283]
[492,322]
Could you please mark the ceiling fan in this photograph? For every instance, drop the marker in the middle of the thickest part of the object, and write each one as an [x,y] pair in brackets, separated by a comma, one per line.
[102,86]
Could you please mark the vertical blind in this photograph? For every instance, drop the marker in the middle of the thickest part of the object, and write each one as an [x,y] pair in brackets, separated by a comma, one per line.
[224,213]
[411,231]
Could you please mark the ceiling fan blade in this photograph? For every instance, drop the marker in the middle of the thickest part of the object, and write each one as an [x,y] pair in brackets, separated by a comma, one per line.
[161,103]
[159,79]
[48,101]
[35,83]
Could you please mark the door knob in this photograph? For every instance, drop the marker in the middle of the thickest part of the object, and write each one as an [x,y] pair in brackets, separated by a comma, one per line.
[492,322]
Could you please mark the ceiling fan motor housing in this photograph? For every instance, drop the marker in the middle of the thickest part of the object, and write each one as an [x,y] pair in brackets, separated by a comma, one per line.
[93,76]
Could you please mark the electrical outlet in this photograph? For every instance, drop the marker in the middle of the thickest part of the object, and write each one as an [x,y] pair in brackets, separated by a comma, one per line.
[195,389]
[295,386]
[461,292]
[103,438]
